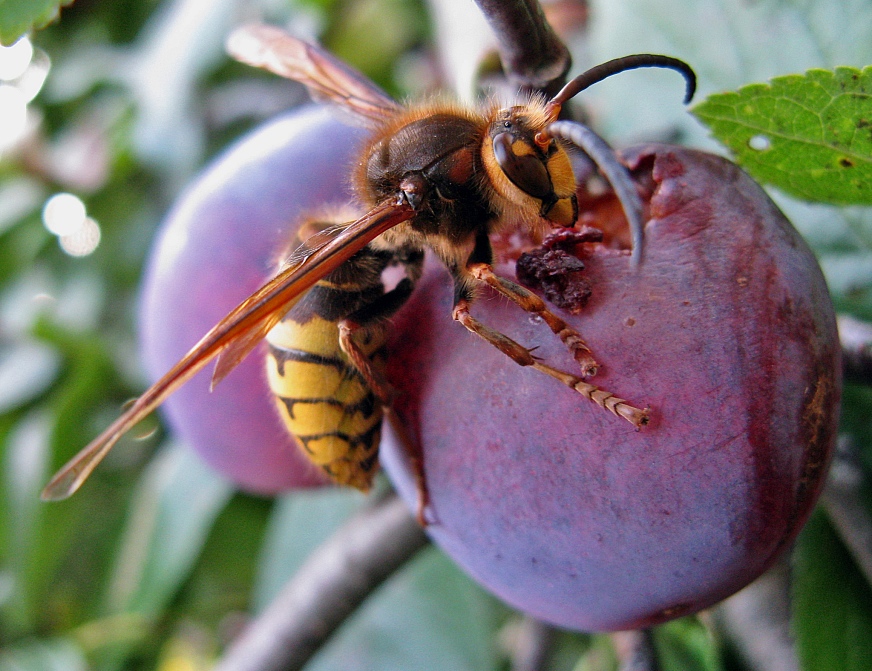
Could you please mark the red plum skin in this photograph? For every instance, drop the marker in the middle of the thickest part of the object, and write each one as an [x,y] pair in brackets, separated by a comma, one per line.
[726,332]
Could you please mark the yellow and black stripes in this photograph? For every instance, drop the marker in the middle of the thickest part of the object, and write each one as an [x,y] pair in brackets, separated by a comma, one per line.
[324,397]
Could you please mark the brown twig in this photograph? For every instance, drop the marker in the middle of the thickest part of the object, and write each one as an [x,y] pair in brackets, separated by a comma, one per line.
[856,339]
[335,579]
[843,499]
[635,650]
[533,56]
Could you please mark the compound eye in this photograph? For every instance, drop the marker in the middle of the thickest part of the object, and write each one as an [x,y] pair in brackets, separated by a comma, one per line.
[525,170]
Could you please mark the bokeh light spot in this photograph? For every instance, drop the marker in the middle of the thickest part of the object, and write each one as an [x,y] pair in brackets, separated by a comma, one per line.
[64,214]
[15,59]
[84,241]
[13,115]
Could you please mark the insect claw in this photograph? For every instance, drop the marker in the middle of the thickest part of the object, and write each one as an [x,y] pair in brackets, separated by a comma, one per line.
[589,367]
[421,514]
[639,417]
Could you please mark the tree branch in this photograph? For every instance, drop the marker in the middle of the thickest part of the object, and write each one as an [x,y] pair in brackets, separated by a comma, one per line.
[757,621]
[843,499]
[332,583]
[856,339]
[529,643]
[533,57]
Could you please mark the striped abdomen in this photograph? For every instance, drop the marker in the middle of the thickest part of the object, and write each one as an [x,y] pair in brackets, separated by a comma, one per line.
[323,399]
[327,404]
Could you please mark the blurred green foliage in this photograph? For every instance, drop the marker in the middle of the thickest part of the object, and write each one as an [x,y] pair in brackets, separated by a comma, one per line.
[20,16]
[158,561]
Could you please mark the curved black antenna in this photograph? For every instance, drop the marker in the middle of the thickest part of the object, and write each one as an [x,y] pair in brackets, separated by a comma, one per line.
[618,65]
[619,177]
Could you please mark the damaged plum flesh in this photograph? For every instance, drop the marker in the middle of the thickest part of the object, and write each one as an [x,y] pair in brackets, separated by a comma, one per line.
[725,332]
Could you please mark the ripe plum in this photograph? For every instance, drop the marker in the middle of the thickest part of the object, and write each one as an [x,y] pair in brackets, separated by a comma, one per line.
[726,331]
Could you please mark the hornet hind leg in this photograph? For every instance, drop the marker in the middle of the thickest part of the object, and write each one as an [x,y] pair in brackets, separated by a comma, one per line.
[385,393]
[479,269]
[382,308]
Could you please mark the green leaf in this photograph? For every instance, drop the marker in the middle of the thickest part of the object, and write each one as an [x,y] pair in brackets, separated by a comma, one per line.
[47,655]
[809,135]
[27,368]
[170,517]
[687,645]
[832,603]
[20,16]
[599,656]
[24,466]
[226,569]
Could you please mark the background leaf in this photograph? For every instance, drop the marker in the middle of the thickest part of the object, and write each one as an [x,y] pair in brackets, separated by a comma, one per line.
[299,523]
[810,135]
[19,16]
[170,517]
[52,655]
[24,468]
[687,645]
[832,603]
[26,370]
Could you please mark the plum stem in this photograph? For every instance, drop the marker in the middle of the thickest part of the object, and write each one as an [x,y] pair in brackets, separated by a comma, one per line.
[332,583]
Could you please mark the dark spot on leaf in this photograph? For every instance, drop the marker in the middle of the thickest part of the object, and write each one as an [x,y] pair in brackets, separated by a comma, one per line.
[846,162]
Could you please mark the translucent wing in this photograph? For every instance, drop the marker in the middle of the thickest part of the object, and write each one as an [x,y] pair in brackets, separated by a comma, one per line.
[234,352]
[244,324]
[326,77]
